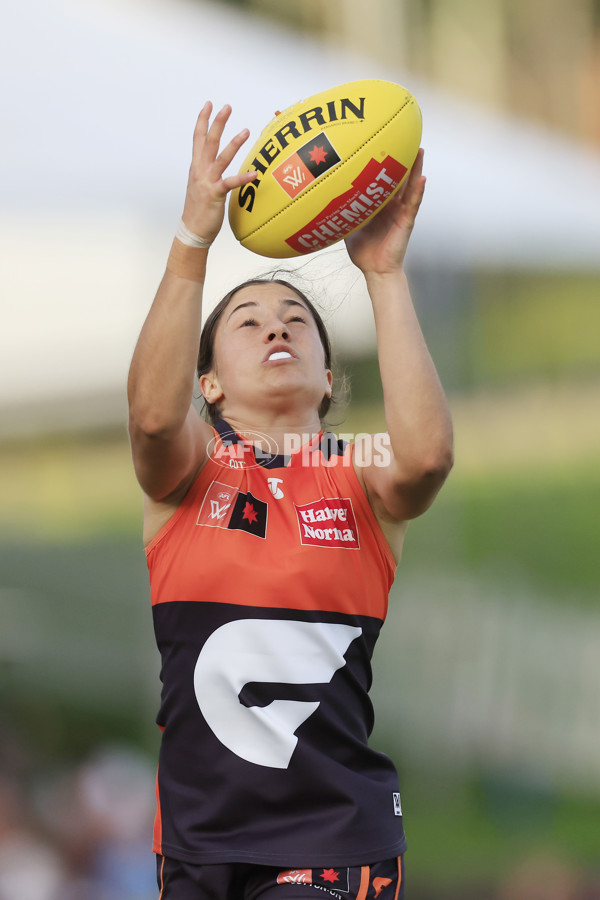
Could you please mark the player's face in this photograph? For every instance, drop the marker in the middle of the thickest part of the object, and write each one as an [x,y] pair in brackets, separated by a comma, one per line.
[268,355]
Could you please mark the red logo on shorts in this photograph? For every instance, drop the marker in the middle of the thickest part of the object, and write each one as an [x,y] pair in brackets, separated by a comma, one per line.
[328,522]
[339,879]
[330,875]
[295,876]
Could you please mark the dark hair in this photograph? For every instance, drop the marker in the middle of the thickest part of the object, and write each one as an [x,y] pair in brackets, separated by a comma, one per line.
[207,338]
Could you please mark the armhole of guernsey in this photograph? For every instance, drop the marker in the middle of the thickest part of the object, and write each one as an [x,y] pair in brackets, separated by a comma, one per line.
[348,474]
[206,472]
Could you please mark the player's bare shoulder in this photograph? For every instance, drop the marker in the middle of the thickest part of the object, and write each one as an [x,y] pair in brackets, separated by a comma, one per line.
[167,468]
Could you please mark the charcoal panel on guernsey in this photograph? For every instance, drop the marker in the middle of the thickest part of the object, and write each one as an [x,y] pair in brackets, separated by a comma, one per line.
[277,752]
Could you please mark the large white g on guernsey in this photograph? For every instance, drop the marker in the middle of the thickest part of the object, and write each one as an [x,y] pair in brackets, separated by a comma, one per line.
[266,650]
[325,166]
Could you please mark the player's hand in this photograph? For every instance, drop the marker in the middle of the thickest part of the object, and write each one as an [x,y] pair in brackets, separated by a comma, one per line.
[379,247]
[207,189]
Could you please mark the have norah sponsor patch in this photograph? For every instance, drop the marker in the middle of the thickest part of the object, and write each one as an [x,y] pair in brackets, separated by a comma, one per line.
[328,522]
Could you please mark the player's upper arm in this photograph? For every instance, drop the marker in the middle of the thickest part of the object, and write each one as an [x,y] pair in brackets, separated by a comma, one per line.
[397,490]
[166,463]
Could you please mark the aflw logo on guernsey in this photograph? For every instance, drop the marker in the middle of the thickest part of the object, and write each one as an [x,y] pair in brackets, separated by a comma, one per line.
[226,507]
[328,522]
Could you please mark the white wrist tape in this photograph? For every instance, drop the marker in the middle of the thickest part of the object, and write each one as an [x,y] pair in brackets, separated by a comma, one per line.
[188,237]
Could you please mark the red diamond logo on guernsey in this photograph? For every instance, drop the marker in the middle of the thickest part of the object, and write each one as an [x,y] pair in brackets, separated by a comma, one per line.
[328,522]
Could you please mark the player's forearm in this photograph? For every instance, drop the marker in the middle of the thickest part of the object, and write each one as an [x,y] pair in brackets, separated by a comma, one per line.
[161,377]
[417,416]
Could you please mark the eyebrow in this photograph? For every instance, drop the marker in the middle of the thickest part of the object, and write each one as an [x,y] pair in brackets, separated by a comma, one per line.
[286,302]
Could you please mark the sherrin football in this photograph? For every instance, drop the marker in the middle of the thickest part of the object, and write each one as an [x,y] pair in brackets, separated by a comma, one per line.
[325,166]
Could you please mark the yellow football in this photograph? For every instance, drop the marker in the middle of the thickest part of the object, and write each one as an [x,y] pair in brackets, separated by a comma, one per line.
[325,166]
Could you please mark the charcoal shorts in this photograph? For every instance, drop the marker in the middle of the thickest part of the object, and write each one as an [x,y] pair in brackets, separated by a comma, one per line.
[179,880]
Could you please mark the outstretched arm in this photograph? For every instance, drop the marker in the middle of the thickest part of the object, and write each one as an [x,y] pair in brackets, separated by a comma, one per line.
[168,438]
[416,413]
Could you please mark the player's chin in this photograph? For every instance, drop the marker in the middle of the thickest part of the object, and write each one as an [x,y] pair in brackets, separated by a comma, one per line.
[290,389]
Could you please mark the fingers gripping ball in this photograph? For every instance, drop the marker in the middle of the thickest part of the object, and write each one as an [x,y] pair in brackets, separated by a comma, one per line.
[325,166]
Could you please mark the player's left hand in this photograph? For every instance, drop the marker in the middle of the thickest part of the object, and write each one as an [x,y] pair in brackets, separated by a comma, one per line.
[379,247]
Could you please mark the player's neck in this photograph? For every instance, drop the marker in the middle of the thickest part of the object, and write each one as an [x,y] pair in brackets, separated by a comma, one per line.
[284,432]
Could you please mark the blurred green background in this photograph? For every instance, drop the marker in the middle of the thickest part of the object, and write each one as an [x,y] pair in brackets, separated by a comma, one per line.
[487,678]
[505,564]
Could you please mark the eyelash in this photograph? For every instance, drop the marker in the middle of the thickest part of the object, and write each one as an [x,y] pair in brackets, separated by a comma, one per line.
[254,322]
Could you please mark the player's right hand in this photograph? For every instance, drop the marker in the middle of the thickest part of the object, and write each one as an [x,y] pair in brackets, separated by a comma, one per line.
[207,189]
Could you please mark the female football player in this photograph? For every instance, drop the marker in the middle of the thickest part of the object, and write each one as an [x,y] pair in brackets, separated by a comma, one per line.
[271,548]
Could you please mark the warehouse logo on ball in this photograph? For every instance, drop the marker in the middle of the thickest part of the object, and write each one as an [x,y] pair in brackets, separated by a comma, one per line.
[372,187]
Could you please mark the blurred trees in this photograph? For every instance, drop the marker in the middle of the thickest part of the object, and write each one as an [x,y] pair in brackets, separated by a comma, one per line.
[539,60]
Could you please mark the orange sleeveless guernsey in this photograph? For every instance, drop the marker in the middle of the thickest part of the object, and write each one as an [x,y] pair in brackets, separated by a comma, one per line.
[269,587]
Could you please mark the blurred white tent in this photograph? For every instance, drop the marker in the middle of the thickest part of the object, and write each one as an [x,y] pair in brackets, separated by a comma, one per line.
[99,103]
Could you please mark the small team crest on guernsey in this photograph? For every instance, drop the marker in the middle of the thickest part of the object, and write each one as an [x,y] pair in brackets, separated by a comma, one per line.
[336,878]
[328,522]
[303,167]
[226,507]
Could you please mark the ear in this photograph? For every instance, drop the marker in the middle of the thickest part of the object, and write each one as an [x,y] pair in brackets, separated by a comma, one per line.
[329,389]
[211,388]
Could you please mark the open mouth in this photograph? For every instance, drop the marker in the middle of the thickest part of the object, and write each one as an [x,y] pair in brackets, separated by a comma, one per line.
[279,354]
